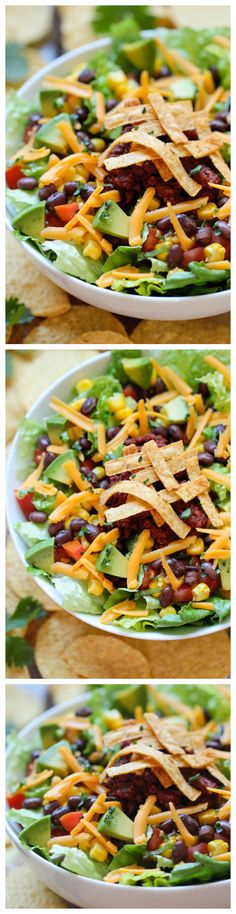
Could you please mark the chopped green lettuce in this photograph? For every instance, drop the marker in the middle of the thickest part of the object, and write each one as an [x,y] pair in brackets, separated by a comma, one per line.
[20,199]
[18,111]
[69,259]
[221,492]
[205,869]
[24,817]
[75,596]
[76,861]
[29,431]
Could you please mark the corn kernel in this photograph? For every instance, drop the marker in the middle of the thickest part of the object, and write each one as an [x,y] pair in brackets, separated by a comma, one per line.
[162,248]
[134,431]
[154,586]
[117,81]
[83,514]
[92,249]
[214,252]
[197,548]
[84,841]
[112,719]
[78,403]
[208,82]
[167,853]
[124,413]
[201,592]
[99,472]
[207,818]
[217,847]
[98,852]
[98,144]
[84,385]
[207,212]
[161,580]
[168,611]
[153,377]
[96,588]
[117,401]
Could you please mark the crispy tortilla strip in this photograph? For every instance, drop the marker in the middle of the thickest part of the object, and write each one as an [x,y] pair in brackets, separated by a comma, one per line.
[216,773]
[170,766]
[152,498]
[141,138]
[135,113]
[139,459]
[166,118]
[168,735]
[128,768]
[129,730]
[205,499]
[159,464]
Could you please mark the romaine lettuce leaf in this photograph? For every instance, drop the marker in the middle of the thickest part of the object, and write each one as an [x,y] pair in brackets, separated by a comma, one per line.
[207,696]
[20,199]
[206,869]
[120,256]
[18,111]
[76,861]
[75,596]
[222,493]
[198,46]
[70,260]
[24,817]
[31,533]
[191,365]
[29,431]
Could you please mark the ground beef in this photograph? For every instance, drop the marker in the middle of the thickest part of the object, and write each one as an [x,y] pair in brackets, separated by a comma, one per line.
[132,790]
[133,181]
[197,518]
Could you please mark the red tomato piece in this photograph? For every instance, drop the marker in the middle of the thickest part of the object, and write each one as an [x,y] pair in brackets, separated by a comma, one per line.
[192,255]
[25,503]
[66,211]
[70,820]
[15,800]
[13,174]
[73,549]
[201,848]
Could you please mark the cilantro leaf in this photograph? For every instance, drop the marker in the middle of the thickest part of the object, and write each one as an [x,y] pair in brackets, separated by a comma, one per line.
[16,312]
[18,651]
[26,611]
[105,16]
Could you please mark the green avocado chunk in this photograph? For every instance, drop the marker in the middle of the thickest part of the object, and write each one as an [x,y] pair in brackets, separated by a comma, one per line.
[52,758]
[55,427]
[224,569]
[56,470]
[111,218]
[50,134]
[141,54]
[131,697]
[116,824]
[176,410]
[42,554]
[51,100]
[111,561]
[50,733]
[38,834]
[139,370]
[31,221]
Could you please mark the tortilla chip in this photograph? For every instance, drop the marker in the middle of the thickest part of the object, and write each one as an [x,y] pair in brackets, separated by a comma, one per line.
[205,330]
[81,319]
[66,649]
[106,337]
[20,26]
[17,672]
[167,658]
[205,500]
[28,285]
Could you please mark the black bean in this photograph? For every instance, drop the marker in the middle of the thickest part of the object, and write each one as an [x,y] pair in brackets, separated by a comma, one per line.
[203,389]
[206,833]
[209,570]
[27,183]
[157,566]
[104,483]
[37,517]
[79,745]
[47,191]
[75,802]
[165,225]
[188,223]
[177,566]
[174,256]
[81,113]
[215,75]
[224,228]
[205,459]
[84,444]
[84,139]
[88,802]
[111,103]
[35,754]
[84,711]
[57,199]
[31,803]
[94,480]
[168,826]
[164,71]
[218,429]
[191,824]
[50,807]
[166,596]
[180,852]
[86,75]
[60,812]
[70,187]
[53,529]
[89,406]
[91,531]
[175,432]
[76,525]
[112,432]
[222,200]
[64,536]
[223,826]
[218,124]
[43,441]
[86,471]
[204,236]
[34,119]
[192,577]
[159,387]
[210,446]
[160,430]
[49,457]
[214,743]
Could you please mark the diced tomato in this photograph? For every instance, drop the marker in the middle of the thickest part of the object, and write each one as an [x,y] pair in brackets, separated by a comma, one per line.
[15,800]
[53,221]
[66,211]
[13,174]
[70,820]
[201,848]
[88,463]
[73,549]
[193,254]
[25,503]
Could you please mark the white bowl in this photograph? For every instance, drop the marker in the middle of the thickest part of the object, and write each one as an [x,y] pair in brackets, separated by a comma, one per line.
[89,893]
[165,308]
[38,411]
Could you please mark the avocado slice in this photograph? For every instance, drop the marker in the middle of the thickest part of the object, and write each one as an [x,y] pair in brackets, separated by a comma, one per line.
[55,426]
[183,88]
[141,54]
[38,834]
[52,758]
[176,410]
[56,470]
[111,218]
[51,101]
[224,569]
[116,824]
[139,370]
[31,221]
[42,554]
[50,733]
[50,134]
[131,697]
[111,561]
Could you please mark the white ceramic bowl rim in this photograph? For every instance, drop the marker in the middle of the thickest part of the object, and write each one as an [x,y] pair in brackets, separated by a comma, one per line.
[113,298]
[58,709]
[98,364]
